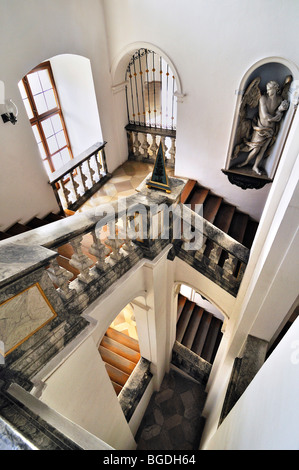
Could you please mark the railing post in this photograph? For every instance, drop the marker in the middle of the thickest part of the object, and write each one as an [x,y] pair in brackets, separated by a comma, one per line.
[61,278]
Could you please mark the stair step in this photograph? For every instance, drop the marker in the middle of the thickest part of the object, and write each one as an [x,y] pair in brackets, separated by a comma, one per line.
[211,207]
[201,333]
[199,196]
[238,226]
[116,387]
[249,235]
[116,375]
[184,320]
[222,220]
[187,190]
[181,303]
[17,228]
[126,340]
[4,235]
[120,349]
[117,361]
[36,222]
[211,338]
[192,327]
[51,217]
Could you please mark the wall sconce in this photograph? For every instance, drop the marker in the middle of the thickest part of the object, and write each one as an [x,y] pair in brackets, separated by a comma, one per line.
[11,112]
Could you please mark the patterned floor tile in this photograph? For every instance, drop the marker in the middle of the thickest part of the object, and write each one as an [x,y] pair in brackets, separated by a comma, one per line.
[172,420]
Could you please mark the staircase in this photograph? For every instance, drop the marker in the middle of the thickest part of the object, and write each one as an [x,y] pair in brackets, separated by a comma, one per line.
[35,222]
[221,214]
[120,353]
[197,329]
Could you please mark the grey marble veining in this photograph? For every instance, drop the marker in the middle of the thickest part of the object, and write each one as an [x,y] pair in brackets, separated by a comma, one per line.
[18,260]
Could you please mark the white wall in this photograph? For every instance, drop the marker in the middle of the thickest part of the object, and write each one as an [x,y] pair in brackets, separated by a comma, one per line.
[266,416]
[31,32]
[75,87]
[212,45]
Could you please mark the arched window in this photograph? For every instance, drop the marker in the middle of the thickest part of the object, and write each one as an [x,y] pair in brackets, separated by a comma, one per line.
[40,97]
[150,92]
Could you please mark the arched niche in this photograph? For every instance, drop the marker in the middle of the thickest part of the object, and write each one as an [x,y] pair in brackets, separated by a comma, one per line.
[256,142]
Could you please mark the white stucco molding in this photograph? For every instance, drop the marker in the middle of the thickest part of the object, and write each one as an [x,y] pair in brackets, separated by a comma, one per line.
[120,63]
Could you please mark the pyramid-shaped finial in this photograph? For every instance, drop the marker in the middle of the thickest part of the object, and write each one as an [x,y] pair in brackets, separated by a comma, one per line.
[159,179]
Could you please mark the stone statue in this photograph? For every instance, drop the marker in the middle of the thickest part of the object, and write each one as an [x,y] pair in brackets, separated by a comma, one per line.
[257,136]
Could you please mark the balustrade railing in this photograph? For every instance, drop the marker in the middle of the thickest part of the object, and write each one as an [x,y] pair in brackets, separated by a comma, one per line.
[81,177]
[143,143]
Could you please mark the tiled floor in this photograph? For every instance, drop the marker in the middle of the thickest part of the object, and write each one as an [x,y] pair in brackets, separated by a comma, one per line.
[123,183]
[173,418]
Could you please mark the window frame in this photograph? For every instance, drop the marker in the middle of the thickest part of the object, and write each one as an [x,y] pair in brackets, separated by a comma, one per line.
[37,118]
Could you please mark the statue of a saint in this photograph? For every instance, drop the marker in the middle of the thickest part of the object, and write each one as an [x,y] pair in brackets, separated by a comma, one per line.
[257,136]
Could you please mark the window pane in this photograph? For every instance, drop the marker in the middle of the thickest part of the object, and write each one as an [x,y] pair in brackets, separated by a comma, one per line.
[34,83]
[61,139]
[42,150]
[50,99]
[52,143]
[56,122]
[47,166]
[40,103]
[45,79]
[47,127]
[28,108]
[65,155]
[36,134]
[57,161]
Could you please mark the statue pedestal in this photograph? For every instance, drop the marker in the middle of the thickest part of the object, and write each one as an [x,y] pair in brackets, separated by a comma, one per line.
[246,178]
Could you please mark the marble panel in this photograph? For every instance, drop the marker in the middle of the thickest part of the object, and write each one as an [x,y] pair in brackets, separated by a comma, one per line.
[22,315]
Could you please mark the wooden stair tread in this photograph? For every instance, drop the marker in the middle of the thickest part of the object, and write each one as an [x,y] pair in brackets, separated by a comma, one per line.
[126,340]
[181,303]
[117,387]
[52,217]
[4,235]
[238,226]
[120,349]
[198,196]
[117,361]
[36,222]
[192,326]
[17,228]
[187,190]
[211,207]
[116,375]
[184,320]
[201,333]
[211,338]
[224,217]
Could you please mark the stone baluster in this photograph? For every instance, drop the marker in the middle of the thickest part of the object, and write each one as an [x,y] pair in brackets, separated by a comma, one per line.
[136,145]
[129,246]
[215,253]
[172,151]
[145,145]
[66,192]
[91,172]
[76,186]
[154,147]
[61,278]
[98,163]
[100,251]
[83,177]
[229,266]
[116,255]
[165,148]
[80,261]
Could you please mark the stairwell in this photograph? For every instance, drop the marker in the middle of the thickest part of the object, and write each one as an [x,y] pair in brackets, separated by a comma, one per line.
[240,226]
[120,354]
